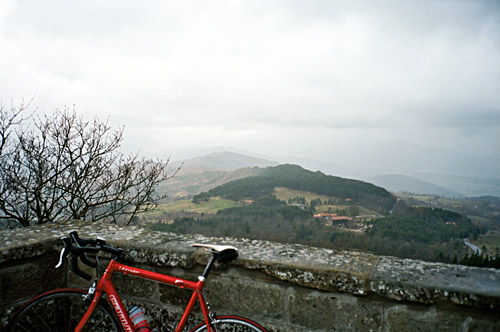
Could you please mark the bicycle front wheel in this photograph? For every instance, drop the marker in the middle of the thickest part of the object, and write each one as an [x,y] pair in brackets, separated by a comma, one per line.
[61,310]
[231,323]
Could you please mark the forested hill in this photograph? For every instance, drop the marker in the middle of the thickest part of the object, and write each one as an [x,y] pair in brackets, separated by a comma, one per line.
[297,178]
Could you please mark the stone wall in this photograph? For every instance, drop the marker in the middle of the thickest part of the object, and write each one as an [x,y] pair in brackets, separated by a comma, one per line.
[284,287]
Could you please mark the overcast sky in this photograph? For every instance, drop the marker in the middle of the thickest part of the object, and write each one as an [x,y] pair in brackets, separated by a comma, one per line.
[317,79]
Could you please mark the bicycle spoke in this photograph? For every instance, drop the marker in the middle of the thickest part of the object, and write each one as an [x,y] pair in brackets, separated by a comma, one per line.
[54,314]
[42,320]
[60,311]
[22,327]
[70,317]
[231,324]
[99,324]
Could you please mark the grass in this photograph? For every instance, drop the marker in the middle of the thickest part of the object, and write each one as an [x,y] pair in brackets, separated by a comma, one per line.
[444,202]
[210,207]
[491,240]
[285,194]
[360,211]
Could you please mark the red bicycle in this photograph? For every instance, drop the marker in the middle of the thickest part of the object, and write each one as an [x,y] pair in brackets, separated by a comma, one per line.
[101,309]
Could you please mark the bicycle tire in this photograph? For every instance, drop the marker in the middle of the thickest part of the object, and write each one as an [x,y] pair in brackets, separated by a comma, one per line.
[60,310]
[231,323]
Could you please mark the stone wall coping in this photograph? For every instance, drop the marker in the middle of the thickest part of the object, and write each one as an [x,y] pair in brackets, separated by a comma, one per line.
[357,273]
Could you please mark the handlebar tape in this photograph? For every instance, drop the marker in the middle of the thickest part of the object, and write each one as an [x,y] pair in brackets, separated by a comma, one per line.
[80,250]
[87,261]
[100,243]
[82,242]
[77,270]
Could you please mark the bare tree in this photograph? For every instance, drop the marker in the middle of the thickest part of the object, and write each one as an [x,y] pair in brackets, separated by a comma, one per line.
[9,118]
[62,167]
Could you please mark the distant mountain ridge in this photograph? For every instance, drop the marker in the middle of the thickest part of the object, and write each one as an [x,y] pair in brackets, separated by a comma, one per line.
[322,166]
[421,182]
[191,180]
[405,183]
[228,161]
[468,186]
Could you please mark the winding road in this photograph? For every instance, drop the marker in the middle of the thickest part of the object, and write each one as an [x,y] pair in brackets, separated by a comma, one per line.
[474,248]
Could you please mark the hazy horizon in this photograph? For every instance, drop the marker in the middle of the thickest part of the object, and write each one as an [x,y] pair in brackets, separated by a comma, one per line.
[393,86]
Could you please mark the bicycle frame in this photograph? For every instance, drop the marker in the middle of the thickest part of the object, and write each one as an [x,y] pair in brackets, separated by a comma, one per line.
[105,286]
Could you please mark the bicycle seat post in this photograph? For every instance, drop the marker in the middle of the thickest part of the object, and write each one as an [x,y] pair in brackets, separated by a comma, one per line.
[209,266]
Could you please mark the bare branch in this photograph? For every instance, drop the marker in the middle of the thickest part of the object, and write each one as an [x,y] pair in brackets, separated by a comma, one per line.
[67,168]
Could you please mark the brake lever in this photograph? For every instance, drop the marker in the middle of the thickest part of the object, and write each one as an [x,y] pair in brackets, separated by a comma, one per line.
[67,243]
[61,258]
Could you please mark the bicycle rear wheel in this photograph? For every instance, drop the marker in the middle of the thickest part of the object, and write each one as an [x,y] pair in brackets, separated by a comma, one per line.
[231,323]
[60,310]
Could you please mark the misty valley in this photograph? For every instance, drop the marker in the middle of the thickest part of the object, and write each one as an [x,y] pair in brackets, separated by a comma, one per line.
[290,204]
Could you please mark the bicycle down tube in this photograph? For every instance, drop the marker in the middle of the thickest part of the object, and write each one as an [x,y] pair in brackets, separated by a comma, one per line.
[105,286]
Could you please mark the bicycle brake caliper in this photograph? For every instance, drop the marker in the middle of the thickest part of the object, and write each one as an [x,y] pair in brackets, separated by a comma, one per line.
[211,315]
[91,291]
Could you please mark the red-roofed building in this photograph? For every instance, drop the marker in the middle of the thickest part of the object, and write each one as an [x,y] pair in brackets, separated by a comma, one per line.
[340,220]
[326,216]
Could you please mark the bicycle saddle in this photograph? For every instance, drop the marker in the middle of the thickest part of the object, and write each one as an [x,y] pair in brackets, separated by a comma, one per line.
[224,254]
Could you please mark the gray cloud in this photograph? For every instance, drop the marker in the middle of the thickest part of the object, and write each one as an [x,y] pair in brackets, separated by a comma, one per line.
[313,73]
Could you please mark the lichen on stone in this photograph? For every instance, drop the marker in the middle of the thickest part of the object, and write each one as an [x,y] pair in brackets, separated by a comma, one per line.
[351,272]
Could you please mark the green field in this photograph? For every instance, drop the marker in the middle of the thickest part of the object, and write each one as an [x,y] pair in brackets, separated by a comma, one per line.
[353,210]
[285,194]
[210,207]
[491,240]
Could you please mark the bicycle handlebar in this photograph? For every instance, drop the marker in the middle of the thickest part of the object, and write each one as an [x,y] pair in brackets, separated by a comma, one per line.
[79,247]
